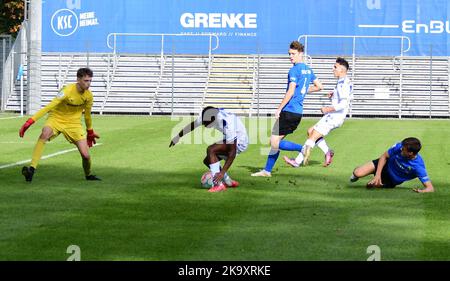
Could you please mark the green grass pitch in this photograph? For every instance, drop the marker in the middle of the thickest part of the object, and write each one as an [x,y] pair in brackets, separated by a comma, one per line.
[150,205]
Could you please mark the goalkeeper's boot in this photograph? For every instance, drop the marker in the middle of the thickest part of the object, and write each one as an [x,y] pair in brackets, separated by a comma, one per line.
[328,158]
[93,178]
[220,187]
[28,173]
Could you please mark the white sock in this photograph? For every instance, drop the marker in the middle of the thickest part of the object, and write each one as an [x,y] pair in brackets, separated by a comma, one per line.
[227,179]
[310,143]
[322,144]
[299,158]
[214,168]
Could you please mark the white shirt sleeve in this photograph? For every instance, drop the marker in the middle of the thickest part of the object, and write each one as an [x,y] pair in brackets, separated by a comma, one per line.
[343,95]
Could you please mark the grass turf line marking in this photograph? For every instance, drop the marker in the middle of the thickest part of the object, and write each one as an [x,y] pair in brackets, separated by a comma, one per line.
[43,157]
[13,117]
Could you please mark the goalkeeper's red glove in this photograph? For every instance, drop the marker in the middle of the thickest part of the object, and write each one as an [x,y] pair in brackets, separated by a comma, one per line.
[25,127]
[91,136]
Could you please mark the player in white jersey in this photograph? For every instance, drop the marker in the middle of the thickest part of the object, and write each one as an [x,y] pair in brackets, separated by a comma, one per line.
[334,116]
[235,141]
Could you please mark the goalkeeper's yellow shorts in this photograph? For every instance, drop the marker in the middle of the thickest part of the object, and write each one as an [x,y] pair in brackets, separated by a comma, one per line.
[72,132]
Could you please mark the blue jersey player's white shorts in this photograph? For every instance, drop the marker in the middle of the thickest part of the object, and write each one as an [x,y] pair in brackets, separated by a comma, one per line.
[329,122]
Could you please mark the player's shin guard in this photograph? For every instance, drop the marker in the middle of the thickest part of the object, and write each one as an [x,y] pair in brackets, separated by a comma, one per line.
[37,153]
[87,166]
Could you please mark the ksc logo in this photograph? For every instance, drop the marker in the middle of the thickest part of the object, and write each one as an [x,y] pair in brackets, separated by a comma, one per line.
[64,22]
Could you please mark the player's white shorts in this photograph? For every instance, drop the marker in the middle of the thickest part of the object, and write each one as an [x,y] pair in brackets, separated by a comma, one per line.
[329,122]
[242,145]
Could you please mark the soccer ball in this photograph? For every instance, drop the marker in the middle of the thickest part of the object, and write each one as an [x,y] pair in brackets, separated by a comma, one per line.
[207,180]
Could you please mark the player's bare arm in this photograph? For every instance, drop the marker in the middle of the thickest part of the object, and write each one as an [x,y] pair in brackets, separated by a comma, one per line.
[317,86]
[428,188]
[232,151]
[287,97]
[376,181]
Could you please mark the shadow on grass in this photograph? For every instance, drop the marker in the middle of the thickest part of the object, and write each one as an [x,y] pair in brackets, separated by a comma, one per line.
[152,215]
[253,169]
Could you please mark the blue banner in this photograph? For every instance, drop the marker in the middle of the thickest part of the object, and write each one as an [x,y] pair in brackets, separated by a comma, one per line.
[340,27]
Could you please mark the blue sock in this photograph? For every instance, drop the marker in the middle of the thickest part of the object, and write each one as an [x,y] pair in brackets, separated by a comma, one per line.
[271,159]
[290,146]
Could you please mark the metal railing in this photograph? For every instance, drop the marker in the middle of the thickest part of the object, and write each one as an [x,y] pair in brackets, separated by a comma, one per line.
[158,86]
[113,47]
[255,80]
[354,37]
[109,79]
[11,64]
[163,36]
[205,91]
[5,46]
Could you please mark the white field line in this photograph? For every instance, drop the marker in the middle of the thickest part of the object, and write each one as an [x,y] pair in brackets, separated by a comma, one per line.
[13,117]
[16,142]
[43,157]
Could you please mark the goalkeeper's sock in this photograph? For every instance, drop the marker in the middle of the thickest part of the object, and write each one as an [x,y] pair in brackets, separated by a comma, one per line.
[37,152]
[87,166]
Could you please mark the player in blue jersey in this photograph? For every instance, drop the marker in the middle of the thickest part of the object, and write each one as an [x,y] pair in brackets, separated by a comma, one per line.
[333,117]
[289,112]
[402,162]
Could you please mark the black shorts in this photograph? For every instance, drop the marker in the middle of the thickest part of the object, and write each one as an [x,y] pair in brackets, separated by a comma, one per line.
[286,124]
[385,177]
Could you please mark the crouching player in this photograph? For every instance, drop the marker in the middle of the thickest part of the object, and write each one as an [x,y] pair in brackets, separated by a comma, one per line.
[64,116]
[235,141]
[402,162]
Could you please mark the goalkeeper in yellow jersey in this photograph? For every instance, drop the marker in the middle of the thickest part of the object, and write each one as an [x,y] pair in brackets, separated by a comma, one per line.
[64,116]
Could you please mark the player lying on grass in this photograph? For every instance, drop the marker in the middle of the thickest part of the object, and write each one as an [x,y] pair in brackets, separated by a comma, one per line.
[235,141]
[333,117]
[64,116]
[402,162]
